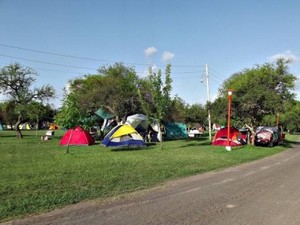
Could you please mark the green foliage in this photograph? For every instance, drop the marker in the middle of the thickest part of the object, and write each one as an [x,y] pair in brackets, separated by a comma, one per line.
[8,112]
[219,111]
[290,120]
[114,88]
[196,114]
[155,94]
[16,83]
[177,112]
[70,114]
[257,92]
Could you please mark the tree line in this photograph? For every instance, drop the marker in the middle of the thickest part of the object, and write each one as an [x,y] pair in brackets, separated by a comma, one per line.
[259,94]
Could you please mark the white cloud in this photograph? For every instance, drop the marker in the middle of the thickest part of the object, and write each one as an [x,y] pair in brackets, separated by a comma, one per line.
[286,55]
[168,56]
[150,51]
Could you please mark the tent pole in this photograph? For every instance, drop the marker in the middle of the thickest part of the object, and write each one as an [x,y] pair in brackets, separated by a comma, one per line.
[69,140]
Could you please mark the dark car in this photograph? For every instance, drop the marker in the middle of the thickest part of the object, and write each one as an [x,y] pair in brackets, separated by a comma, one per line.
[267,136]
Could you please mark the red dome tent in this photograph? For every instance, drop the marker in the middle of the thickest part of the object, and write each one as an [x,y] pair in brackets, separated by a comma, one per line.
[77,136]
[221,137]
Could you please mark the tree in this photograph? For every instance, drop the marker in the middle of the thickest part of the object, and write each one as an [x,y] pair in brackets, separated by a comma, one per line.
[196,113]
[15,83]
[177,111]
[8,115]
[259,92]
[114,88]
[155,95]
[39,112]
[290,120]
[71,114]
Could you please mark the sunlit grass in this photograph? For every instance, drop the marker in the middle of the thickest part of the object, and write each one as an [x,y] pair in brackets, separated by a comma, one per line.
[39,175]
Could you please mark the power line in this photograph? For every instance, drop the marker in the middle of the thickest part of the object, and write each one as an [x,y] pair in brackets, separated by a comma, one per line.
[80,67]
[86,58]
[48,63]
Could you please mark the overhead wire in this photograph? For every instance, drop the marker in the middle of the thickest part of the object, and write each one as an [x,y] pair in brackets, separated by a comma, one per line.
[185,74]
[87,58]
[48,63]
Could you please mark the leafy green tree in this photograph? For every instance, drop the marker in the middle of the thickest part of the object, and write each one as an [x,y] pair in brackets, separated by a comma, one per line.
[219,111]
[177,111]
[71,114]
[258,92]
[196,114]
[290,120]
[261,91]
[38,112]
[16,83]
[155,94]
[8,115]
[114,88]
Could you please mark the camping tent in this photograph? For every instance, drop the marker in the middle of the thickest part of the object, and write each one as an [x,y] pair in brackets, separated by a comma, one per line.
[221,137]
[139,121]
[1,126]
[176,130]
[104,114]
[53,126]
[122,136]
[77,136]
[25,126]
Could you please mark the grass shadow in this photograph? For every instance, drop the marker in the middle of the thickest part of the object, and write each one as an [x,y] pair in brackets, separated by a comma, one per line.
[126,149]
[290,144]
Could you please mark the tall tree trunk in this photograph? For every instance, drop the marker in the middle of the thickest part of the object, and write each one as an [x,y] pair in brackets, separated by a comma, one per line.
[17,128]
[252,134]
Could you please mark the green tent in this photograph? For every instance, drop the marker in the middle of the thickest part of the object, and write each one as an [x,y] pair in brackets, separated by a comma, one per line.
[176,131]
[1,126]
[104,114]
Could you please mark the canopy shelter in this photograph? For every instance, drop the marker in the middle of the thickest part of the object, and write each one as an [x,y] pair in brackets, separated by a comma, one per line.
[104,114]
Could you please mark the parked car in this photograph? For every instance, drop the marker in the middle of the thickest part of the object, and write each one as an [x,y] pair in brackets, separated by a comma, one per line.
[267,136]
[194,132]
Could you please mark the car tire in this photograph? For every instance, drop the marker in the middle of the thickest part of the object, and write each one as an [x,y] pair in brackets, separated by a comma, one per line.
[271,144]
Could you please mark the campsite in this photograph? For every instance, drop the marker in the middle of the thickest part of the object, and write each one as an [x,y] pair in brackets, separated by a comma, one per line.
[107,147]
[39,175]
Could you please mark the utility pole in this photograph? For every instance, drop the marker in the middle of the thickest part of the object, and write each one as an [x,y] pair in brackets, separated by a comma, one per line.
[208,100]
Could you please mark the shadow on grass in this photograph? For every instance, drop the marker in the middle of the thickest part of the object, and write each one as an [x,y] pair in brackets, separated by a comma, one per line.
[126,149]
[290,144]
[148,146]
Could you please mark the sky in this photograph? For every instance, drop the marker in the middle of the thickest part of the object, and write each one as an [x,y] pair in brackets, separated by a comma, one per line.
[66,39]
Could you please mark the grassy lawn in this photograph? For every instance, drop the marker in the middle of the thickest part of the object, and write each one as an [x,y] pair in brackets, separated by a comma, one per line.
[38,175]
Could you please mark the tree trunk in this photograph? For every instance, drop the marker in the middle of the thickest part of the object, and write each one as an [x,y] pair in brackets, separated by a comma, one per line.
[17,128]
[252,134]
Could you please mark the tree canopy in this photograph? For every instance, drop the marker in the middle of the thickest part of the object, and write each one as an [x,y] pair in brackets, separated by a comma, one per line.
[258,92]
[16,83]
[155,95]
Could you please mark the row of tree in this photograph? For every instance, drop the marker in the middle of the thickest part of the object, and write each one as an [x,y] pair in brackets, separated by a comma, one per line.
[260,93]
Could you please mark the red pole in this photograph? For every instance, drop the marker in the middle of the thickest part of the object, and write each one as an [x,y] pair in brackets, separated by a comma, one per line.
[229,116]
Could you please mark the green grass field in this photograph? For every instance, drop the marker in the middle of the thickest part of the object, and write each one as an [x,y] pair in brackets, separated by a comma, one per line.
[39,175]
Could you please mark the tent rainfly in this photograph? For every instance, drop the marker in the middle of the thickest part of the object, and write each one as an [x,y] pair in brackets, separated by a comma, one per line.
[221,137]
[123,136]
[77,136]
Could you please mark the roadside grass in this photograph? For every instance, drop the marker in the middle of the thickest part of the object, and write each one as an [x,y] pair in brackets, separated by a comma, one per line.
[37,175]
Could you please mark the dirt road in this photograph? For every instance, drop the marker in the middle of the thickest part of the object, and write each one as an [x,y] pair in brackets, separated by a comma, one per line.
[264,192]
